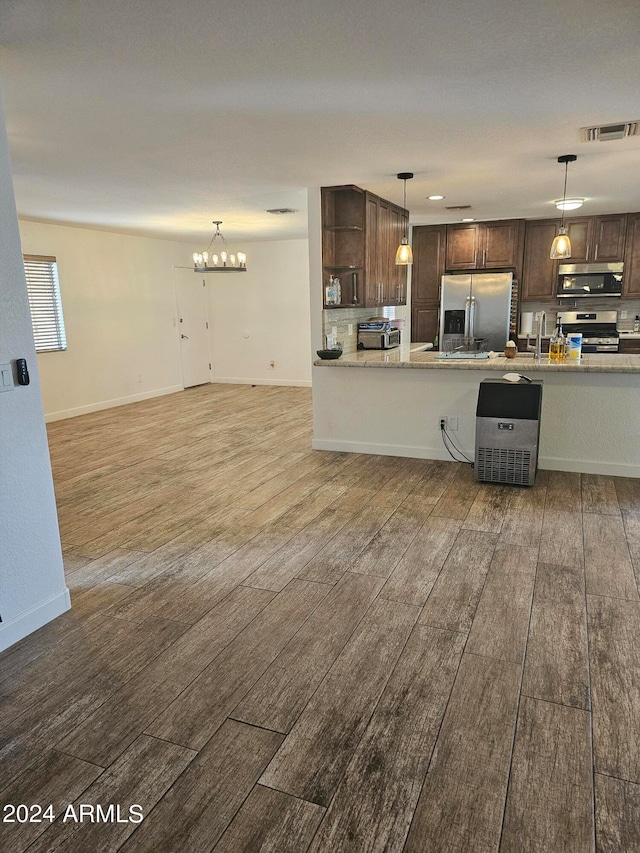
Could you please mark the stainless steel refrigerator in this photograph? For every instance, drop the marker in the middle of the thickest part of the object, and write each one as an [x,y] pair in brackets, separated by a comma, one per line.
[475,311]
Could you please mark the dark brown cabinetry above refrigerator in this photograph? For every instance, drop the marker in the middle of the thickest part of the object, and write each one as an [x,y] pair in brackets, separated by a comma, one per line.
[360,235]
[484,245]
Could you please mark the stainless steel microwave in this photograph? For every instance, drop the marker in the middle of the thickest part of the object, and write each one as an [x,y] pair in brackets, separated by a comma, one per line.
[601,280]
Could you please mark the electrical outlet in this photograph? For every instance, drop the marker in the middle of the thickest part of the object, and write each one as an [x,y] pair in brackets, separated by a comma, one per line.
[623,315]
[449,423]
[350,328]
[139,377]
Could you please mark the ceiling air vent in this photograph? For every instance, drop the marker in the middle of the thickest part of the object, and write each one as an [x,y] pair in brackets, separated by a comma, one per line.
[606,132]
[459,207]
[282,210]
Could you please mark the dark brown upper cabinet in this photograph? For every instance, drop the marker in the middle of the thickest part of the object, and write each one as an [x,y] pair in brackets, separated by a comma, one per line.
[484,245]
[597,239]
[429,244]
[631,280]
[539,272]
[361,233]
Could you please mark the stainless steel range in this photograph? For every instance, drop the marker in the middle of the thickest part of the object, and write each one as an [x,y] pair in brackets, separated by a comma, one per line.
[599,332]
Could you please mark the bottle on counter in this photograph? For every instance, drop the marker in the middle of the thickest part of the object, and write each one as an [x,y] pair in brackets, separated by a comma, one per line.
[557,345]
[636,323]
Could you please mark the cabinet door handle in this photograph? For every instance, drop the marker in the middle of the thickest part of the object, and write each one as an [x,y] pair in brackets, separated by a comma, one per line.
[484,257]
[595,253]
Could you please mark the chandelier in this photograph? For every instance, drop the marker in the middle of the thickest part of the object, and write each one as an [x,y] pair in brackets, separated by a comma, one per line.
[218,258]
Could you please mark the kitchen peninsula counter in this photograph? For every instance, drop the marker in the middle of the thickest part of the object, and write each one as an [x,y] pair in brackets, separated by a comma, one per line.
[590,408]
[412,357]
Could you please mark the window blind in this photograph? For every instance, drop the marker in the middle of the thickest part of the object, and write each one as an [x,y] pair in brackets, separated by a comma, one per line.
[44,301]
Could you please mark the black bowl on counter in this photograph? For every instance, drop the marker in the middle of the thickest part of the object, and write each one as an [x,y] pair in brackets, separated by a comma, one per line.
[329,353]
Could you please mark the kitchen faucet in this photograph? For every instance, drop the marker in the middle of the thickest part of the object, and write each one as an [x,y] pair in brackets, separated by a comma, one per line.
[542,330]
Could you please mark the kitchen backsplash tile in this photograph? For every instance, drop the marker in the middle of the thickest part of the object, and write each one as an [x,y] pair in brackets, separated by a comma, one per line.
[345,321]
[631,306]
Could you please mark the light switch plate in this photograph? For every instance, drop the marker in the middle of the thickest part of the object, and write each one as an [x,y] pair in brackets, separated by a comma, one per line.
[6,378]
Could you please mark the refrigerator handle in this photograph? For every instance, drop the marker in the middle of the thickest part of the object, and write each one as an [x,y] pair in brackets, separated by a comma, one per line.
[472,318]
[467,317]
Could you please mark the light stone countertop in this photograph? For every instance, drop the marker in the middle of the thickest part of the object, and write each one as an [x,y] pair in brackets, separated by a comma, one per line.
[406,356]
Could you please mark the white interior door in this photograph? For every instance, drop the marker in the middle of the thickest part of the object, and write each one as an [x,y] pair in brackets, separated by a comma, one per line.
[193,325]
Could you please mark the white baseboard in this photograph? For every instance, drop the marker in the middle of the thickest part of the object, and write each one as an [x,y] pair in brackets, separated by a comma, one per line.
[580,466]
[34,618]
[380,449]
[231,380]
[110,404]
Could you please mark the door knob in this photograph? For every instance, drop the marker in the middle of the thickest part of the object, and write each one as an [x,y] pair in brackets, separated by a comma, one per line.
[185,336]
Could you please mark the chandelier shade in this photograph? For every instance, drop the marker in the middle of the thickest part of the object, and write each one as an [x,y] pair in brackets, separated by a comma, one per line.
[217,257]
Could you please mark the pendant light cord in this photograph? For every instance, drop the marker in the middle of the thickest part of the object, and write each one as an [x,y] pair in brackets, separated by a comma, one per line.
[564,192]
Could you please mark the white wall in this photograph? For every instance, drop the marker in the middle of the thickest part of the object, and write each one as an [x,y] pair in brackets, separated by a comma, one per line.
[118,300]
[32,588]
[119,304]
[262,316]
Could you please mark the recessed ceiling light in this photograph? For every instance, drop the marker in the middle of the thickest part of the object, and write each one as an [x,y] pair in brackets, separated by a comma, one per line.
[569,203]
[435,197]
[468,219]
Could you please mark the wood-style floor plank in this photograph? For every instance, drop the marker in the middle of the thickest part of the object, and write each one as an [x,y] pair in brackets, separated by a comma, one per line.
[338,555]
[194,716]
[271,822]
[557,666]
[385,550]
[459,495]
[277,699]
[310,762]
[523,518]
[124,716]
[141,776]
[56,780]
[462,801]
[379,791]
[201,804]
[454,598]
[550,797]
[617,815]
[607,561]
[599,494]
[614,645]
[488,510]
[501,623]
[416,572]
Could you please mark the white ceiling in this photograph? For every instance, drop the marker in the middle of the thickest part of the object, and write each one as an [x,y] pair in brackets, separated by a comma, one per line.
[155,116]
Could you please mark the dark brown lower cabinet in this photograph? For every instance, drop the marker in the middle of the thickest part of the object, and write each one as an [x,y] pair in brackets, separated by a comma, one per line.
[424,323]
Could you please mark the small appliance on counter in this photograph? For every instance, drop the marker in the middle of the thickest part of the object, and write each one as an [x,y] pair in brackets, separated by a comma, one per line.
[378,335]
[598,328]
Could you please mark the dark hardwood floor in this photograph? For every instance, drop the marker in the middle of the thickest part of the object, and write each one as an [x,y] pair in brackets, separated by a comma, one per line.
[279,649]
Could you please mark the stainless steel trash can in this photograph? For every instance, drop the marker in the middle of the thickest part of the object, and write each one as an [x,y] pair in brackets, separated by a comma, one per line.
[508,431]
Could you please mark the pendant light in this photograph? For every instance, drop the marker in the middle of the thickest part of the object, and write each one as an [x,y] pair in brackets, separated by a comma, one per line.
[225,261]
[404,255]
[561,246]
